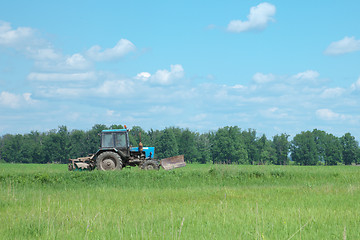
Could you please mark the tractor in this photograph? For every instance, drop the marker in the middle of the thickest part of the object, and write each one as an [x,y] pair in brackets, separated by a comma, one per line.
[116,153]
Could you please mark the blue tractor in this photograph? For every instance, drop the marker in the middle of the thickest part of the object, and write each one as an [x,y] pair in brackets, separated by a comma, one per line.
[116,153]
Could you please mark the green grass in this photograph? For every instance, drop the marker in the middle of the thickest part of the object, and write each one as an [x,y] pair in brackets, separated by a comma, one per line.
[195,202]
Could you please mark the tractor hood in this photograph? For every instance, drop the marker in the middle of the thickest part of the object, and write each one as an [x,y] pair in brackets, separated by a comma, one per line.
[149,151]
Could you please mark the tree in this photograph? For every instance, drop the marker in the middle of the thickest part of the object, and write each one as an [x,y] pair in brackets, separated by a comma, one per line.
[78,144]
[11,148]
[332,152]
[203,147]
[56,145]
[249,139]
[115,126]
[350,148]
[187,146]
[93,140]
[166,144]
[265,151]
[281,146]
[135,138]
[228,146]
[31,148]
[320,138]
[303,149]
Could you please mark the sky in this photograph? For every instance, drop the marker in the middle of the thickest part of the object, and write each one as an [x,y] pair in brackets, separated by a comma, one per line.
[276,67]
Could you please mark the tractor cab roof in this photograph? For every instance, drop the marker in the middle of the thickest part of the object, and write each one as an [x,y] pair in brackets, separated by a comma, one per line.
[114,130]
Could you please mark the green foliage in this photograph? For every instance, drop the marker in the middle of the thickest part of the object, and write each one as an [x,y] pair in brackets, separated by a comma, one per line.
[211,201]
[226,145]
[167,145]
[304,150]
[203,148]
[281,145]
[187,146]
[350,149]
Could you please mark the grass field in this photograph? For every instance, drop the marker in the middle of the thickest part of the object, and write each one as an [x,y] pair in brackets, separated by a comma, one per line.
[195,202]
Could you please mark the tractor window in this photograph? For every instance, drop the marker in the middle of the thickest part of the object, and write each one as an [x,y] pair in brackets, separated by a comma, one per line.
[107,140]
[120,140]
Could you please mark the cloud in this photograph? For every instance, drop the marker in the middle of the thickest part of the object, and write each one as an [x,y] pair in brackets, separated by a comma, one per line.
[356,85]
[333,92]
[43,54]
[26,41]
[15,101]
[345,45]
[75,62]
[257,19]
[143,76]
[327,114]
[274,113]
[122,48]
[164,76]
[261,78]
[46,58]
[239,87]
[199,117]
[115,88]
[165,109]
[14,37]
[307,75]
[34,76]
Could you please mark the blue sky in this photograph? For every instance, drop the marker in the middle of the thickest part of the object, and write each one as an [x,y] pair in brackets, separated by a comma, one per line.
[277,66]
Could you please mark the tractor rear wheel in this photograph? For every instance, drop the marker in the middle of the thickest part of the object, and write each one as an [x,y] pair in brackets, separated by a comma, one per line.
[150,165]
[108,161]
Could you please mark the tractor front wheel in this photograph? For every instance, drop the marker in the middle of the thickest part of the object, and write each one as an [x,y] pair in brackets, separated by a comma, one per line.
[108,161]
[150,165]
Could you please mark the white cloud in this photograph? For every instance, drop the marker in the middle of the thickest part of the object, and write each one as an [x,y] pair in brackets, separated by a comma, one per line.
[327,114]
[43,54]
[62,92]
[165,109]
[333,92]
[61,76]
[115,88]
[143,76]
[261,78]
[26,41]
[345,45]
[239,86]
[257,19]
[307,75]
[14,37]
[123,47]
[76,61]
[15,101]
[165,77]
[356,85]
[274,113]
[199,117]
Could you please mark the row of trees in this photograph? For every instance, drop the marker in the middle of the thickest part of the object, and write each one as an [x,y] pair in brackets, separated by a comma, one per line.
[226,145]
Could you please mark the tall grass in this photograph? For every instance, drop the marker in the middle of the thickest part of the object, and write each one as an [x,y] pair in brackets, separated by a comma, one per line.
[195,202]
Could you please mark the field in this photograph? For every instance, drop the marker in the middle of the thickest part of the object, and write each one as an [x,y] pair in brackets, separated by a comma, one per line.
[195,202]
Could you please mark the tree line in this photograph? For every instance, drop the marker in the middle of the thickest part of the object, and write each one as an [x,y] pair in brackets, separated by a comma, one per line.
[230,145]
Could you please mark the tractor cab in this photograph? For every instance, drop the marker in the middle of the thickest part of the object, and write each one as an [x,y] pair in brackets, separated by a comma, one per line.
[119,139]
[115,138]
